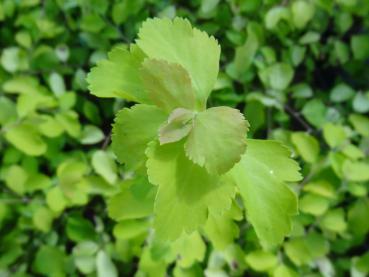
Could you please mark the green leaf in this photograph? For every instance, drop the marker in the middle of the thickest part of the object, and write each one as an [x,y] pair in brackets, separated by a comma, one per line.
[91,135]
[131,228]
[84,256]
[360,103]
[307,146]
[260,260]
[357,217]
[269,202]
[133,129]
[26,138]
[168,85]
[221,230]
[42,218]
[177,42]
[191,248]
[334,135]
[16,178]
[356,171]
[186,191]
[314,204]
[56,200]
[315,112]
[360,123]
[277,76]
[302,13]
[178,126]
[360,46]
[105,166]
[341,93]
[104,265]
[334,220]
[119,76]
[245,54]
[49,261]
[217,139]
[303,250]
[70,123]
[135,200]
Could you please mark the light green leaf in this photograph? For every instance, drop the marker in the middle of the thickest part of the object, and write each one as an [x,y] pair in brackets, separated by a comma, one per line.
[177,42]
[56,83]
[307,146]
[42,218]
[245,53]
[334,135]
[302,250]
[191,248]
[360,123]
[334,220]
[91,135]
[70,122]
[221,230]
[302,13]
[26,138]
[16,178]
[133,129]
[56,200]
[105,166]
[356,171]
[168,85]
[315,112]
[269,202]
[136,200]
[217,139]
[178,126]
[84,256]
[119,76]
[341,93]
[129,229]
[260,260]
[186,192]
[277,76]
[104,265]
[314,204]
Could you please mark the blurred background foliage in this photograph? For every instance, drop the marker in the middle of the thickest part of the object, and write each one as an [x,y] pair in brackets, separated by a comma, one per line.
[299,70]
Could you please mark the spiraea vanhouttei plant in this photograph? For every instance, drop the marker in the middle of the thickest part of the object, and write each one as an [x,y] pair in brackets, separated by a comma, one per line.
[194,167]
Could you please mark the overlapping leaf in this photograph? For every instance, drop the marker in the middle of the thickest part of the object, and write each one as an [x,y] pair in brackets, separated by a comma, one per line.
[217,139]
[177,42]
[119,76]
[261,175]
[186,192]
[133,129]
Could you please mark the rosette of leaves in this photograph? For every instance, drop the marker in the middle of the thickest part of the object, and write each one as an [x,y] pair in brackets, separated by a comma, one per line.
[197,159]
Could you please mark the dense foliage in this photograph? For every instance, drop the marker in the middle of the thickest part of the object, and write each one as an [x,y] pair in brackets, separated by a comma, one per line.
[297,70]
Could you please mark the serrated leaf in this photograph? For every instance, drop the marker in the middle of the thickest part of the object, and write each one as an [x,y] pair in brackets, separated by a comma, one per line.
[269,202]
[168,85]
[217,139]
[133,129]
[119,76]
[186,191]
[177,42]
[191,248]
[178,126]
